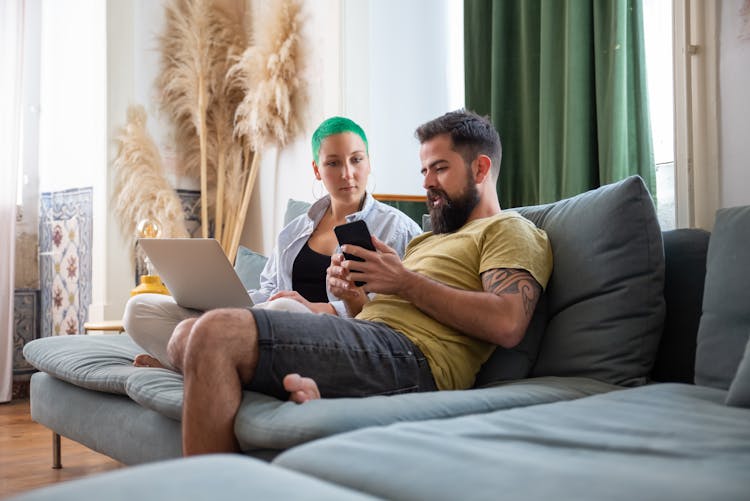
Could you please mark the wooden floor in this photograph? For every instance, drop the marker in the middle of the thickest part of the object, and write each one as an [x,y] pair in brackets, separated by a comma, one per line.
[26,453]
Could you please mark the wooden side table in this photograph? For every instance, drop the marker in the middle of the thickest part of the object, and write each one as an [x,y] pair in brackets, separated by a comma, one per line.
[105,326]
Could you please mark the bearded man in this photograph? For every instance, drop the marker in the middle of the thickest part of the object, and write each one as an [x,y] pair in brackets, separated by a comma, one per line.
[469,285]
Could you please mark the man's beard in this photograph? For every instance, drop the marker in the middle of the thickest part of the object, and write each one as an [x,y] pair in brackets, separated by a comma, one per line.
[453,212]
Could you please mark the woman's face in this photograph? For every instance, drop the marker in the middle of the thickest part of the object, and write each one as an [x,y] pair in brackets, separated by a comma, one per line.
[343,166]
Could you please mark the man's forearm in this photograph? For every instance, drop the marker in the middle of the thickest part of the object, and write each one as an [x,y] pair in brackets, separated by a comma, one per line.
[479,314]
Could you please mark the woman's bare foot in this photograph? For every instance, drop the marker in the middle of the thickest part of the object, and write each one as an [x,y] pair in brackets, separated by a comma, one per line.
[301,389]
[145,360]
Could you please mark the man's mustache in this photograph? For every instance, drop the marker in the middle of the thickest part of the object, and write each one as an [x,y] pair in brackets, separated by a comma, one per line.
[434,193]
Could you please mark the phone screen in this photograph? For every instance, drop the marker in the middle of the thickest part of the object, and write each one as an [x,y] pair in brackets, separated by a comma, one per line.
[354,233]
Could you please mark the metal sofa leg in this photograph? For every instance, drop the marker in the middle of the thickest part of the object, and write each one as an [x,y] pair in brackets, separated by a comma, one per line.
[56,455]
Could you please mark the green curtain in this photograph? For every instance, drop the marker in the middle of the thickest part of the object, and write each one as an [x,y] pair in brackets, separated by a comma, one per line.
[564,82]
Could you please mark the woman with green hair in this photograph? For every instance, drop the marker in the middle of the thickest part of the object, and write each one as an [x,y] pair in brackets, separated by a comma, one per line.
[296,269]
[294,278]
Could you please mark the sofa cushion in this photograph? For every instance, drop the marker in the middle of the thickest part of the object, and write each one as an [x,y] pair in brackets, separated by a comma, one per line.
[96,362]
[665,441]
[294,209]
[248,266]
[725,323]
[739,390]
[218,476]
[685,272]
[605,298]
[160,390]
[264,422]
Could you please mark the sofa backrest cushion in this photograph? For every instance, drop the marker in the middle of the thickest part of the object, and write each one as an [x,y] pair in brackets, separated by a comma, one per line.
[605,298]
[725,322]
[685,272]
[248,265]
[739,390]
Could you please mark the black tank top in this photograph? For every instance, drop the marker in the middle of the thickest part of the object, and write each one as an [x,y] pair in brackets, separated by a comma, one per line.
[309,274]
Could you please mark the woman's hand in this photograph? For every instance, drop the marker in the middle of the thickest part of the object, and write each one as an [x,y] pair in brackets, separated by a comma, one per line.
[343,288]
[314,307]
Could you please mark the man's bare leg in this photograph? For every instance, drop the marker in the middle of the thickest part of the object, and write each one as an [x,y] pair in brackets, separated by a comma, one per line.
[301,389]
[219,353]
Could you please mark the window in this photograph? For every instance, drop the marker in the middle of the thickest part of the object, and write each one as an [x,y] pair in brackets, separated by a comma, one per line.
[657,28]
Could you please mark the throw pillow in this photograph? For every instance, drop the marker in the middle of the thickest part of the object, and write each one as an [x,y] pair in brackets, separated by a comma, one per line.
[605,298]
[739,390]
[725,322]
[294,209]
[248,266]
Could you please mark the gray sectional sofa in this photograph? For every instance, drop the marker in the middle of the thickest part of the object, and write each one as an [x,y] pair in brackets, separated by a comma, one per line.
[598,402]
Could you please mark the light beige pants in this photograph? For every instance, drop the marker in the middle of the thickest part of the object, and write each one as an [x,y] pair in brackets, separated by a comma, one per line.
[150,319]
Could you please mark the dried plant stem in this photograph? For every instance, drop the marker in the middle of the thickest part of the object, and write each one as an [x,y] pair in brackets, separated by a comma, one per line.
[240,220]
[228,236]
[219,217]
[204,155]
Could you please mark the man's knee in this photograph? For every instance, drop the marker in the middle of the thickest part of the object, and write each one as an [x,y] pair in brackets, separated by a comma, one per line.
[225,336]
[178,342]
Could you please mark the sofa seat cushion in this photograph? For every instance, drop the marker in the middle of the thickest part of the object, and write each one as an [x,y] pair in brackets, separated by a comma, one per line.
[666,441]
[267,423]
[102,362]
[160,390]
[264,422]
[220,476]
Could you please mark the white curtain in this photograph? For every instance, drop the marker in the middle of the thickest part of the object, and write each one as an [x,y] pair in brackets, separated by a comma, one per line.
[11,50]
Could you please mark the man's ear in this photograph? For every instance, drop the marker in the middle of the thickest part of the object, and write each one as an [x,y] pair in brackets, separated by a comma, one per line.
[483,167]
[315,170]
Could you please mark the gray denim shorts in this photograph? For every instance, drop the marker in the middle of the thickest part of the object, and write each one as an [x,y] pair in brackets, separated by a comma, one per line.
[346,357]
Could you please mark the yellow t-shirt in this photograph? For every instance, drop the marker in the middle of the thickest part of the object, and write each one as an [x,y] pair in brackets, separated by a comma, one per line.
[506,240]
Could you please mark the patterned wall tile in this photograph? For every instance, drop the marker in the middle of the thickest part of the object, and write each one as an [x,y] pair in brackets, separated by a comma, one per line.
[25,327]
[65,238]
[191,204]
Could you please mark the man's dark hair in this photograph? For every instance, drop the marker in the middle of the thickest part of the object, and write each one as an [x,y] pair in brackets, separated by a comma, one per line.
[471,134]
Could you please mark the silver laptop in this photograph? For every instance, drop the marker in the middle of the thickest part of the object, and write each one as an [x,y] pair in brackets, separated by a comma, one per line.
[197,272]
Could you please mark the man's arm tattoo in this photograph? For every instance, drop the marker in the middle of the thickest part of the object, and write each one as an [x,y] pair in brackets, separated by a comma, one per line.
[511,281]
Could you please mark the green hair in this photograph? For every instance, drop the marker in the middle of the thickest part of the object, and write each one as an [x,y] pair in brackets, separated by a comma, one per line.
[333,126]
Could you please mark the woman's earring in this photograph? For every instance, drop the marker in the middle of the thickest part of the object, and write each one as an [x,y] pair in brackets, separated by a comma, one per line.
[317,187]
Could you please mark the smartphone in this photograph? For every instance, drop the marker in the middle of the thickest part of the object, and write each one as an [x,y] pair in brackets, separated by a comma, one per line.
[354,233]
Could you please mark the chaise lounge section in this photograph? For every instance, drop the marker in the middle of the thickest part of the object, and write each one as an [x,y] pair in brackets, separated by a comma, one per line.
[580,425]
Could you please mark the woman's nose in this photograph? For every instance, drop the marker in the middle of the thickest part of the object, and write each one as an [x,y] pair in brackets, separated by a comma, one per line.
[347,171]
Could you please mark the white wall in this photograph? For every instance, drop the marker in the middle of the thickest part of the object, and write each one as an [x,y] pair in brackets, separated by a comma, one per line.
[734,102]
[402,65]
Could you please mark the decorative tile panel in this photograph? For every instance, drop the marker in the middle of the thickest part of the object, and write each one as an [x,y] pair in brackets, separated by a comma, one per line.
[191,205]
[25,327]
[65,238]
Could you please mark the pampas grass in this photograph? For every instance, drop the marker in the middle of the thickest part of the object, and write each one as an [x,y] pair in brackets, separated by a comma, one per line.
[228,44]
[184,80]
[200,40]
[140,189]
[228,99]
[271,110]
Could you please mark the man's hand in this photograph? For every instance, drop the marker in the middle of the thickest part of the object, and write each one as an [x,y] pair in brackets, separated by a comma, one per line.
[314,307]
[381,269]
